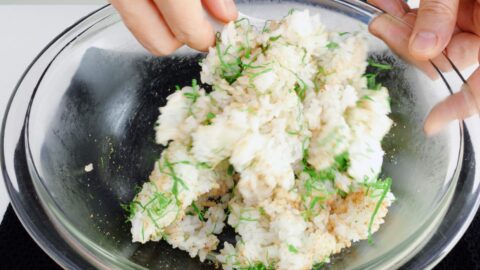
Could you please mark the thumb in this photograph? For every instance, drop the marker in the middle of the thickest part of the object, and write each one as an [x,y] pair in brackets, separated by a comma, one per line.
[434,27]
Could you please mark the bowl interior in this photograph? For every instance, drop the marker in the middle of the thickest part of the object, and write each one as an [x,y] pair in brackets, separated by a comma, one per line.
[97,103]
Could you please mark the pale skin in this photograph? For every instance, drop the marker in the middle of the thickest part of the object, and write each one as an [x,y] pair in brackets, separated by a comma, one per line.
[452,26]
[162,26]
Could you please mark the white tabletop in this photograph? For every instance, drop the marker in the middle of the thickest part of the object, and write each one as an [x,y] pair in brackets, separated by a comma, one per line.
[24,31]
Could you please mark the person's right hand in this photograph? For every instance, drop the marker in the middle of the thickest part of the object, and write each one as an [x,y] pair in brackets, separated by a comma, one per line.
[450,26]
[162,26]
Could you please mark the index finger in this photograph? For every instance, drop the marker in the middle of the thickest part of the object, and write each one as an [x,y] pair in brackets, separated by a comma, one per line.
[146,23]
[186,19]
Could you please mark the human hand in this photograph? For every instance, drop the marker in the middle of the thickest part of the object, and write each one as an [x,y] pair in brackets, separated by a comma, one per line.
[452,26]
[162,26]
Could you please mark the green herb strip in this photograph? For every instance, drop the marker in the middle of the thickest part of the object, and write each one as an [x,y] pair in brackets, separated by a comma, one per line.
[255,266]
[387,183]
[367,97]
[246,218]
[204,165]
[192,96]
[228,71]
[131,209]
[342,162]
[198,212]
[237,22]
[380,66]
[318,266]
[304,55]
[315,178]
[149,213]
[372,83]
[230,170]
[265,28]
[275,38]
[262,211]
[316,199]
[292,249]
[155,208]
[254,75]
[210,116]
[332,45]
[300,91]
[300,87]
[176,180]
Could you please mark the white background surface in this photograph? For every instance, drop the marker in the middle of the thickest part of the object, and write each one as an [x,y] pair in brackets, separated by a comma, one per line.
[24,31]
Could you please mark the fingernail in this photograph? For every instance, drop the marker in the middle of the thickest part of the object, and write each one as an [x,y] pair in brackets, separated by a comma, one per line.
[230,7]
[424,42]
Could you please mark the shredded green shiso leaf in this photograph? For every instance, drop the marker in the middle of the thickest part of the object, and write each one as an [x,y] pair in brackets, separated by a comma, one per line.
[168,169]
[332,45]
[257,266]
[199,213]
[372,83]
[384,186]
[292,249]
[155,208]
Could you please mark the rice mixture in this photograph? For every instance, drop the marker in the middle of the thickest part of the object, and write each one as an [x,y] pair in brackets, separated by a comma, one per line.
[286,149]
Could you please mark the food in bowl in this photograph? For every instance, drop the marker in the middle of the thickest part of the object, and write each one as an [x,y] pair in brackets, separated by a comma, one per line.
[285,148]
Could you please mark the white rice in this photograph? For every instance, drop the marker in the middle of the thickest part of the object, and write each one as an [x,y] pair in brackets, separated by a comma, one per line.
[286,149]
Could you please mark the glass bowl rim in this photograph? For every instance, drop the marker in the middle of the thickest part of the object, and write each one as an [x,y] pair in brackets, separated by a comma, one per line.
[62,35]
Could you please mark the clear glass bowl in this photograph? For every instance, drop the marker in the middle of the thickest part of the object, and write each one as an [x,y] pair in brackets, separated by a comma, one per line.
[92,96]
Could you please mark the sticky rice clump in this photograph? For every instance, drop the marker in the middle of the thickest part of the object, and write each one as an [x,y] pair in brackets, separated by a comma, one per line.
[285,148]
